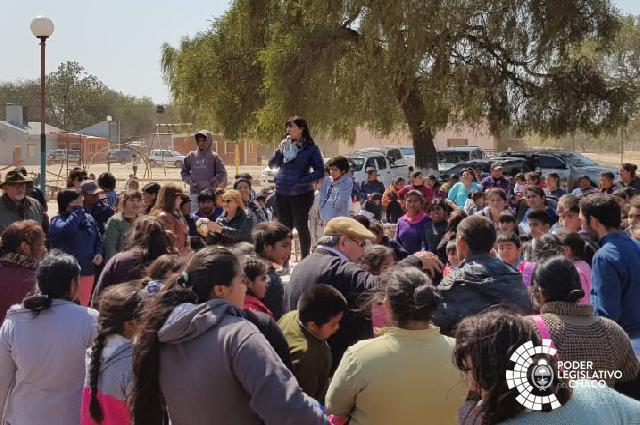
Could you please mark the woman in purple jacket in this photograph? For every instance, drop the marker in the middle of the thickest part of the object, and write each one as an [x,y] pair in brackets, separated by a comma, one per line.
[299,163]
[410,229]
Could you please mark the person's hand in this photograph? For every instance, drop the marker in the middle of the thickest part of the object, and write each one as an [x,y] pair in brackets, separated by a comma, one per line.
[215,227]
[97,259]
[283,143]
[430,262]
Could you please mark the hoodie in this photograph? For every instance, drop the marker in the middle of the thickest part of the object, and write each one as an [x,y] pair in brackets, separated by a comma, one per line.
[335,197]
[203,170]
[216,367]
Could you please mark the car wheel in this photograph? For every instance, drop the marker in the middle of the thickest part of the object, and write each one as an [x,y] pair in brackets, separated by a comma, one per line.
[152,163]
[178,164]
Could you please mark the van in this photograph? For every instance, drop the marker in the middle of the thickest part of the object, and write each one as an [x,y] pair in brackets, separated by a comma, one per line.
[449,157]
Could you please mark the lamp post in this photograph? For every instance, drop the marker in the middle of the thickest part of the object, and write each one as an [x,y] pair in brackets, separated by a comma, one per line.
[109,119]
[42,28]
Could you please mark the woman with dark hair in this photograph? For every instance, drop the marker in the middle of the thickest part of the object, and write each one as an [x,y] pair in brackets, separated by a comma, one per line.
[161,269]
[496,204]
[410,228]
[381,380]
[576,331]
[42,348]
[628,176]
[535,200]
[107,183]
[167,209]
[252,209]
[76,233]
[194,342]
[485,344]
[22,246]
[149,195]
[121,222]
[438,210]
[299,163]
[452,228]
[460,191]
[76,176]
[109,380]
[147,242]
[233,225]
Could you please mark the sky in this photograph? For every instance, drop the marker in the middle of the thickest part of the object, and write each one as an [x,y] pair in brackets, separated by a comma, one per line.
[117,40]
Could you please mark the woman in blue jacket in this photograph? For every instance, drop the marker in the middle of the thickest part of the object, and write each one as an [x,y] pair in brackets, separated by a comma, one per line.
[76,233]
[299,164]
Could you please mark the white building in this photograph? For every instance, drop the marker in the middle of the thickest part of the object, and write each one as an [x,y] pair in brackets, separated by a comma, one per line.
[20,138]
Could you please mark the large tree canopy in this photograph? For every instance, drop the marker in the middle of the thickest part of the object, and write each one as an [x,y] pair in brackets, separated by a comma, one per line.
[409,64]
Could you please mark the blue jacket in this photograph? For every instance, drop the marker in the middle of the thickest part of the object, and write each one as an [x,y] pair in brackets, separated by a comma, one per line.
[615,281]
[296,177]
[335,197]
[77,234]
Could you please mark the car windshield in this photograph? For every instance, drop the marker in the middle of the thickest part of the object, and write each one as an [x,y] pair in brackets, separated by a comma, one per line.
[578,160]
[407,151]
[453,157]
[356,163]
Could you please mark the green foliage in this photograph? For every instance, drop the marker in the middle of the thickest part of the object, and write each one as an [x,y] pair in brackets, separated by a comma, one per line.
[408,64]
[76,99]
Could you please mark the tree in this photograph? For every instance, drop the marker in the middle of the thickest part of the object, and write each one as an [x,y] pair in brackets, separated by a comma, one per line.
[77,99]
[411,64]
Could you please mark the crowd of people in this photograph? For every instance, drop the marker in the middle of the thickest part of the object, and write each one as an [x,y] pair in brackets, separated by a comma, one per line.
[156,305]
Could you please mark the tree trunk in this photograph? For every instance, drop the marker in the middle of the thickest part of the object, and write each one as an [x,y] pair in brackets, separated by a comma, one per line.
[415,113]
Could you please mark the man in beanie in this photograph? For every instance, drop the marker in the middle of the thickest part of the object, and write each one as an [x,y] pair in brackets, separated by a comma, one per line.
[334,263]
[203,169]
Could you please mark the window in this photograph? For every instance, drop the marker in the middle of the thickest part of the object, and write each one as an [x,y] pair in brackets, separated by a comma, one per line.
[547,161]
[382,163]
[31,150]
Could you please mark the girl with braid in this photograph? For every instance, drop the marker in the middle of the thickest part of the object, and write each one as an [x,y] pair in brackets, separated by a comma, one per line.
[108,380]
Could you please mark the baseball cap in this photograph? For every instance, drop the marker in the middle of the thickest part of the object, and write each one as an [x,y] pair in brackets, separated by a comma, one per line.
[89,187]
[347,226]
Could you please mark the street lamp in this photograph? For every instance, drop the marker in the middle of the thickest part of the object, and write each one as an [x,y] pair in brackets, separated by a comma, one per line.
[42,28]
[109,119]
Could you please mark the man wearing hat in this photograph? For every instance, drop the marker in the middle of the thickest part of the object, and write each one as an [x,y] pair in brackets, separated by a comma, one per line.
[335,263]
[98,208]
[15,205]
[496,179]
[202,168]
[372,185]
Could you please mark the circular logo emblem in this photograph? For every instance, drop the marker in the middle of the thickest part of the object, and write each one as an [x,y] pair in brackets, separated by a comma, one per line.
[532,375]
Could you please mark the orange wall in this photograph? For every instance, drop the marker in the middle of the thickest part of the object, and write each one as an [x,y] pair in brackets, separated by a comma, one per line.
[90,145]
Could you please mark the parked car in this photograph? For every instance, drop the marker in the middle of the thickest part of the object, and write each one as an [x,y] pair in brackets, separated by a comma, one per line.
[394,154]
[510,166]
[569,165]
[122,156]
[60,155]
[388,168]
[165,157]
[449,157]
[409,154]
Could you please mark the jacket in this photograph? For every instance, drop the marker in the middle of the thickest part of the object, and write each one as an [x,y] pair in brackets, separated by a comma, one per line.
[237,229]
[433,233]
[115,236]
[398,250]
[410,232]
[176,224]
[269,328]
[10,211]
[253,303]
[481,281]
[368,187]
[401,377]
[580,335]
[123,267]
[274,298]
[615,281]
[210,346]
[115,383]
[42,363]
[335,197]
[296,177]
[587,405]
[324,266]
[18,279]
[101,212]
[426,191]
[203,170]
[311,357]
[77,234]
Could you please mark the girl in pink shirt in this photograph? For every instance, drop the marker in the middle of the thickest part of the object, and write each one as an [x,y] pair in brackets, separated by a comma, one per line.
[580,251]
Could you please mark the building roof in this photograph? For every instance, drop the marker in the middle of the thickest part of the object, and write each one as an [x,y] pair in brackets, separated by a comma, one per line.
[34,127]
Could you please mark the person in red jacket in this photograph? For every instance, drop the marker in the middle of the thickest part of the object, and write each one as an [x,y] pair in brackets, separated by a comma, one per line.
[417,183]
[21,250]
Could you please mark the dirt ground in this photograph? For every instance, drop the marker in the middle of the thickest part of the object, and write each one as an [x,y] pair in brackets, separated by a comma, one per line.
[56,172]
